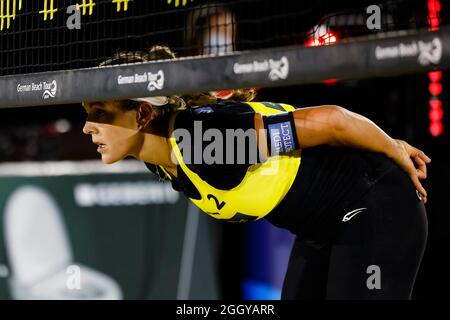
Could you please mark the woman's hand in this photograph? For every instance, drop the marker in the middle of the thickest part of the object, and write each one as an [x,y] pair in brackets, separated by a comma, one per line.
[407,157]
[337,126]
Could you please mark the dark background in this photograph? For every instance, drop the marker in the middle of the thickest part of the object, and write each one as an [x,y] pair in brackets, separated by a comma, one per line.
[399,105]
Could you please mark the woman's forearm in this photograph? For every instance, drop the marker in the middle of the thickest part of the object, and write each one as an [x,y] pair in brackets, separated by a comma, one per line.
[335,126]
[357,131]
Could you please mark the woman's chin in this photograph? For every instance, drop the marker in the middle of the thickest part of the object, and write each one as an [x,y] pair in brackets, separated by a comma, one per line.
[108,160]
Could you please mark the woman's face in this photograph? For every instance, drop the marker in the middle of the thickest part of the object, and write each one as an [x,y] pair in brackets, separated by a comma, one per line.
[113,129]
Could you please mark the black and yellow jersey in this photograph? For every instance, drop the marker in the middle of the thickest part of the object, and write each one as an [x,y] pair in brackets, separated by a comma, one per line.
[240,188]
[296,191]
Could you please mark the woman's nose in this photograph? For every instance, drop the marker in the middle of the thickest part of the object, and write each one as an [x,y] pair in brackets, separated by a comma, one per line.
[88,128]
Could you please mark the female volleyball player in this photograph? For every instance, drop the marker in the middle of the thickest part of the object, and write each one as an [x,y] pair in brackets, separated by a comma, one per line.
[351,193]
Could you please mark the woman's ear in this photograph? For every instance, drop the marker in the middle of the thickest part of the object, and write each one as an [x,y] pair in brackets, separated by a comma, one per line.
[146,113]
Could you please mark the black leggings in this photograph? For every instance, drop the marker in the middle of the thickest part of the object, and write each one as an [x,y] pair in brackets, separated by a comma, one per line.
[375,254]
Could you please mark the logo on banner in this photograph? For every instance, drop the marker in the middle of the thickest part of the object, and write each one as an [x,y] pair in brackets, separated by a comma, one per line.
[155,80]
[430,52]
[427,52]
[277,69]
[51,91]
[50,88]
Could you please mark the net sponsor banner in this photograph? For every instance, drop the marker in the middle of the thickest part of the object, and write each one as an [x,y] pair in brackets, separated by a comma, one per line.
[127,226]
[49,35]
[391,55]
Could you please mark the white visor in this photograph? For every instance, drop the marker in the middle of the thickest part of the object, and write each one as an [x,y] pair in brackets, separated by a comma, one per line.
[156,101]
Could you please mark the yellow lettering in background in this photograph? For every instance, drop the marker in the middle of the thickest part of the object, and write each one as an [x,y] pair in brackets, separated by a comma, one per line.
[86,5]
[9,8]
[178,2]
[50,10]
[119,4]
[6,14]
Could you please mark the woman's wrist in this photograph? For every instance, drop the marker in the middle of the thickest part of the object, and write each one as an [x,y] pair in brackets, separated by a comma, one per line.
[393,149]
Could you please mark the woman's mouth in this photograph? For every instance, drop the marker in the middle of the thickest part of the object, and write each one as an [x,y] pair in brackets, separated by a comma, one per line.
[101,147]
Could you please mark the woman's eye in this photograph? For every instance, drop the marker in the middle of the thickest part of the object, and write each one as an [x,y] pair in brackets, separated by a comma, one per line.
[99,113]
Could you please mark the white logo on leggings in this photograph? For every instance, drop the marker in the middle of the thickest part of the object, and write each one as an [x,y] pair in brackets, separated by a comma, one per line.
[352,213]
[418,195]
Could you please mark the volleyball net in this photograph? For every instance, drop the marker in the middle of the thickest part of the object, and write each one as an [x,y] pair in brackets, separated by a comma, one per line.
[50,49]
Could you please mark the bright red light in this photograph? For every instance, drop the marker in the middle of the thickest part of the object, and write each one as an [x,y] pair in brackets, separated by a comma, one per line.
[435,76]
[434,8]
[436,114]
[327,39]
[332,39]
[330,82]
[436,104]
[435,88]
[436,129]
[313,43]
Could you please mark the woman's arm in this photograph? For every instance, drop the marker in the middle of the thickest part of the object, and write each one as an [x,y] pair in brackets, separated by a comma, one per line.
[354,130]
[336,126]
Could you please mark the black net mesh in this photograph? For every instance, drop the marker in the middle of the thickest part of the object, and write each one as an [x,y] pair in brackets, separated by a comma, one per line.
[43,35]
